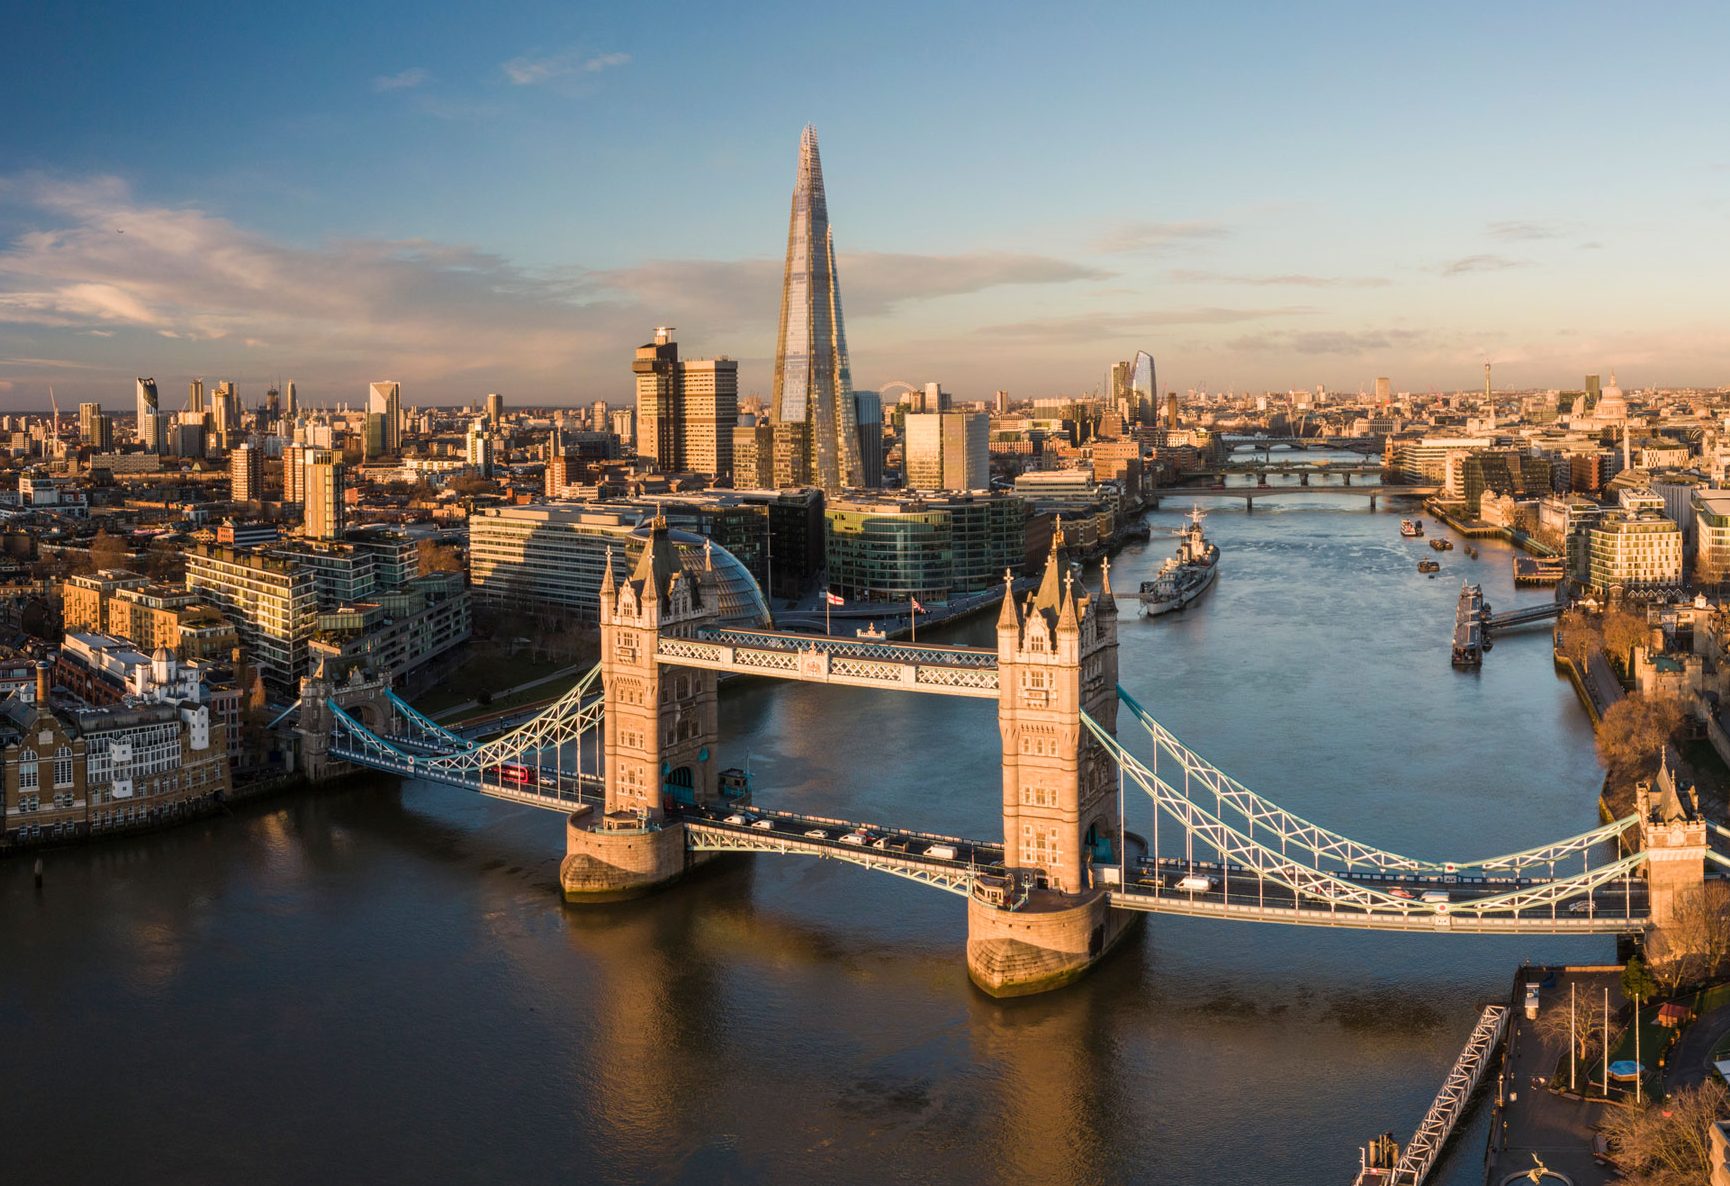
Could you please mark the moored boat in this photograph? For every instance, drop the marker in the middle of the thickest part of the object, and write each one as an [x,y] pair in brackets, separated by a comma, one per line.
[1411,528]
[1186,575]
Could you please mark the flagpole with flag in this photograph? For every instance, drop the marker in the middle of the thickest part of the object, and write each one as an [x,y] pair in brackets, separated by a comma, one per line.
[913,616]
[830,599]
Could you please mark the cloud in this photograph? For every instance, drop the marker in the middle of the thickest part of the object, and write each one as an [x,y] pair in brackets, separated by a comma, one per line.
[1520,231]
[216,294]
[1099,327]
[402,81]
[530,70]
[1338,341]
[1156,236]
[1480,263]
[1284,280]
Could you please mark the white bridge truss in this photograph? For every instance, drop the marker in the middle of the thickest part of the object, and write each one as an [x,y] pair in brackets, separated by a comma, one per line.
[1292,833]
[1308,894]
[1419,1156]
[1276,866]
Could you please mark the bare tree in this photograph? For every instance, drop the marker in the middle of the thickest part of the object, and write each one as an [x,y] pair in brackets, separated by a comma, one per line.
[1665,1144]
[1634,732]
[1580,1020]
[1696,943]
[434,558]
[1578,636]
[1623,631]
[107,551]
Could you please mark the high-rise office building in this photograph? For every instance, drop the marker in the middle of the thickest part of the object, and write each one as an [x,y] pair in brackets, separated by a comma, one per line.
[708,410]
[385,399]
[372,436]
[868,417]
[1143,390]
[656,367]
[150,429]
[324,511]
[1117,384]
[95,430]
[224,413]
[753,457]
[816,439]
[1384,391]
[686,409]
[195,396]
[480,448]
[948,451]
[246,473]
[294,473]
[600,416]
[625,426]
[289,404]
[495,409]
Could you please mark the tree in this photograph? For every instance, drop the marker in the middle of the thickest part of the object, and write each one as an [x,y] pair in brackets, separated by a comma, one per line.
[433,558]
[1623,631]
[1666,1144]
[1637,983]
[1634,732]
[1578,637]
[1696,942]
[1579,1018]
[107,551]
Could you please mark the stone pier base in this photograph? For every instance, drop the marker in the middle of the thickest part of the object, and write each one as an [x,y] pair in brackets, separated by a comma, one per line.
[1052,940]
[611,866]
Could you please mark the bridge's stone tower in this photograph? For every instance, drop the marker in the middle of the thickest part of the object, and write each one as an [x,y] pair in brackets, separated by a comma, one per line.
[659,729]
[362,694]
[1056,658]
[1673,834]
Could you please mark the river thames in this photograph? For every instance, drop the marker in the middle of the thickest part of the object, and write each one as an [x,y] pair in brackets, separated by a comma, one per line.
[380,983]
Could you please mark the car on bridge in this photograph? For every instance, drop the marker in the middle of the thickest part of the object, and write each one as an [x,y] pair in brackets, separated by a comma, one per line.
[764,824]
[891,843]
[943,852]
[739,819]
[816,834]
[1197,883]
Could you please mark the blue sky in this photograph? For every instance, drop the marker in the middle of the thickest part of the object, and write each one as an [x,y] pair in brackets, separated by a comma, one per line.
[508,197]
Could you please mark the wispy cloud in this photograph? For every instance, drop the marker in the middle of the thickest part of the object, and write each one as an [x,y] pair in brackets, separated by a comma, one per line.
[1096,327]
[402,81]
[1281,280]
[1155,236]
[199,287]
[1480,263]
[1328,341]
[1518,231]
[534,69]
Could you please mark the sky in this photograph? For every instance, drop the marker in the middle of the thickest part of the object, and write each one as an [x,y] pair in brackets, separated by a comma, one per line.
[510,197]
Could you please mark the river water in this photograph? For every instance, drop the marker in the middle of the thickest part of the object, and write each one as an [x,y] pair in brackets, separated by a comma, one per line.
[380,983]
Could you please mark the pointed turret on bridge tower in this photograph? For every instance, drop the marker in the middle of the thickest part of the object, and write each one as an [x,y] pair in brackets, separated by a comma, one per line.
[1056,659]
[1673,835]
[659,729]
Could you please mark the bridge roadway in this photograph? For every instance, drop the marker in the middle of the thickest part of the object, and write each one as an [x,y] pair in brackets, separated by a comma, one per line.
[1239,894]
[1255,492]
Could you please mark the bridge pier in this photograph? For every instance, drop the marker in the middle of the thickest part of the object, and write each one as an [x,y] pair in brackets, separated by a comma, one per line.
[1050,941]
[603,865]
[1372,502]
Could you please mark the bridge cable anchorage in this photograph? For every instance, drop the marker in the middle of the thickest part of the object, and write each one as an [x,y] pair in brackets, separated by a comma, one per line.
[283,715]
[1336,890]
[1325,843]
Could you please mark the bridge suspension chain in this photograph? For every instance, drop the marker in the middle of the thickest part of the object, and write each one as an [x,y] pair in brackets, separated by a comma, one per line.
[1323,842]
[566,719]
[1333,889]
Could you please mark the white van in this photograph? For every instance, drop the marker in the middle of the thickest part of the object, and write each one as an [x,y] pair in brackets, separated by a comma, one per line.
[943,852]
[1196,883]
[1436,897]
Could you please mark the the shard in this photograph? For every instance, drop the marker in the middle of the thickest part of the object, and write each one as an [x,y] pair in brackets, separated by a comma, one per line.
[816,442]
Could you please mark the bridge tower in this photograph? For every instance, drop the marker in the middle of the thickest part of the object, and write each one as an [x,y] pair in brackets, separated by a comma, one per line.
[1673,835]
[1056,658]
[659,731]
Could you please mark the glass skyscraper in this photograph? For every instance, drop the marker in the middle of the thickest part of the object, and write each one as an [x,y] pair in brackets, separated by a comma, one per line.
[1143,389]
[817,438]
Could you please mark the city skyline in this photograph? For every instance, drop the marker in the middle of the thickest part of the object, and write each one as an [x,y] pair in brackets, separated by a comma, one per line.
[1278,227]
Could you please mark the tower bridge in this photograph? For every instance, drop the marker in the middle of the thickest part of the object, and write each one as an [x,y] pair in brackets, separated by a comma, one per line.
[628,757]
